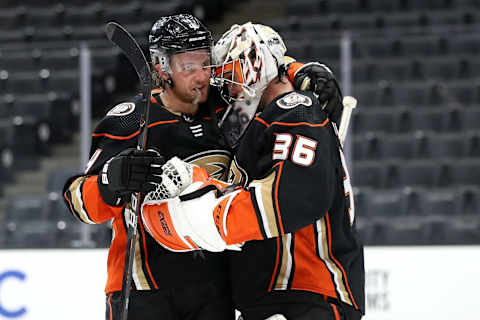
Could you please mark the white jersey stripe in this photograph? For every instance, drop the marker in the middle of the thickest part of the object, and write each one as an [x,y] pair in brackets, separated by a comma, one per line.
[323,252]
[81,208]
[258,195]
[286,264]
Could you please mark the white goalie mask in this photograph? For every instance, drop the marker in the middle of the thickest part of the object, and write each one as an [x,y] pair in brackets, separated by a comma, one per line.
[248,56]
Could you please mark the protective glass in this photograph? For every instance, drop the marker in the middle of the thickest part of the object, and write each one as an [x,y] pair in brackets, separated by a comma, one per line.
[191,61]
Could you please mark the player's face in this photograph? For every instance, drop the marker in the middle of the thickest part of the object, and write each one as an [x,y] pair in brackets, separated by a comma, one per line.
[191,73]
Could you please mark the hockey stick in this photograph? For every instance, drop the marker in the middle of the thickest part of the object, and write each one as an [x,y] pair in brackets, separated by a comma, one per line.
[124,40]
[349,103]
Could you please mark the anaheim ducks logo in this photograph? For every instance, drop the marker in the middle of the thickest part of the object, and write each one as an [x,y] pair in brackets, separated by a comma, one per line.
[122,109]
[292,100]
[216,162]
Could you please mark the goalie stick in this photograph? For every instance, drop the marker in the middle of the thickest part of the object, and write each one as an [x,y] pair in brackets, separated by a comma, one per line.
[349,103]
[125,41]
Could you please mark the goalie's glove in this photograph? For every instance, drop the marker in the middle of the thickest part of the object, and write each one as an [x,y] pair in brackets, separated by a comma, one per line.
[195,220]
[317,77]
[177,175]
[128,172]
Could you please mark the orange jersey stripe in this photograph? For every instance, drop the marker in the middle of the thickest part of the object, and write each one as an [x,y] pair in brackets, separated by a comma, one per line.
[335,311]
[323,124]
[311,273]
[133,134]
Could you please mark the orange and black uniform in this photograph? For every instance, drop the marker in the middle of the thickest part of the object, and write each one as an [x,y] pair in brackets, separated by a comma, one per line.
[307,262]
[166,285]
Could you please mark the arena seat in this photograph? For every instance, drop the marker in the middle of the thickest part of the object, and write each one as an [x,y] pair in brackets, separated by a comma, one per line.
[26,224]
[465,44]
[373,119]
[414,173]
[6,151]
[470,119]
[369,174]
[465,172]
[469,200]
[385,203]
[67,230]
[90,13]
[472,144]
[463,231]
[446,145]
[395,146]
[56,178]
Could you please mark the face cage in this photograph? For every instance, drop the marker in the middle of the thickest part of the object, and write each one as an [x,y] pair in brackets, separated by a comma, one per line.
[219,80]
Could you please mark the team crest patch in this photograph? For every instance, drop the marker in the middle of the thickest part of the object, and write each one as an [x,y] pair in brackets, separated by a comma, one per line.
[122,109]
[292,100]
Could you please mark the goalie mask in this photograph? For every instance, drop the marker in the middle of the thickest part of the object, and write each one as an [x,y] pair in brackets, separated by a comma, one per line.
[247,57]
[182,33]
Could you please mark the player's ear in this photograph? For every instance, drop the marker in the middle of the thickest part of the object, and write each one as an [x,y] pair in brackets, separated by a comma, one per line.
[162,74]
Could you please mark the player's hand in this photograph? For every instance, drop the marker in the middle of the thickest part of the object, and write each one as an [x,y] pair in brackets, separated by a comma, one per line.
[128,172]
[319,78]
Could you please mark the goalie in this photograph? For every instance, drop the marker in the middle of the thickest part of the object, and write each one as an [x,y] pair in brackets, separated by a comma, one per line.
[289,190]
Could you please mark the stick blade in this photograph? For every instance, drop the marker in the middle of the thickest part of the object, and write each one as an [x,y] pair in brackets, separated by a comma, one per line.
[126,42]
[110,29]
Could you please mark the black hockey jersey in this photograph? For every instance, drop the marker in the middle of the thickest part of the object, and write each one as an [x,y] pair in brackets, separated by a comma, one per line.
[291,161]
[193,139]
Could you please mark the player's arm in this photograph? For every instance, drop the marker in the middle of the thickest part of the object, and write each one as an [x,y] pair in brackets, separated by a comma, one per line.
[115,170]
[294,192]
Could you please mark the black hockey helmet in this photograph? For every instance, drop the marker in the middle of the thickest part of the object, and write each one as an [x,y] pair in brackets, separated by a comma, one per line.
[174,34]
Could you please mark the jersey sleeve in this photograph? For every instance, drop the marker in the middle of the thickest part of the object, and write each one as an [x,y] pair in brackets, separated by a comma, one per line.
[85,203]
[116,132]
[287,161]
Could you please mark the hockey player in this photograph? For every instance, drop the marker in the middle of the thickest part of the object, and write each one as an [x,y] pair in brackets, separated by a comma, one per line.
[182,123]
[294,220]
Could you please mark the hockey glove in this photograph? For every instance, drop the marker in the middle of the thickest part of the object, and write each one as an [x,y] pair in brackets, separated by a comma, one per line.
[130,171]
[177,175]
[318,78]
[194,220]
